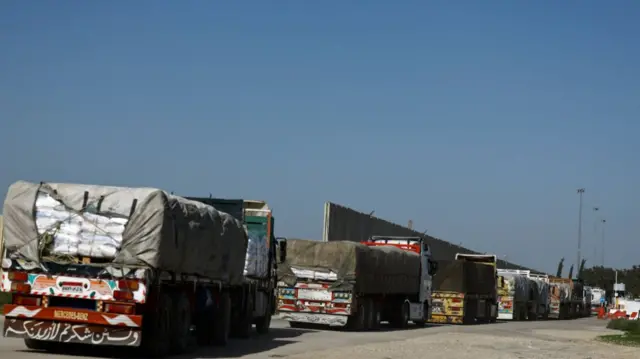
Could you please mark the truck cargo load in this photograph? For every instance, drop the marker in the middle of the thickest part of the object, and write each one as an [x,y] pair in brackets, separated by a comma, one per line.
[119,226]
[516,285]
[354,266]
[464,277]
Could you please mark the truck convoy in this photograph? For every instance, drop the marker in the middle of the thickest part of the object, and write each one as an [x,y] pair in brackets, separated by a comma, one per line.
[135,267]
[522,295]
[357,285]
[465,290]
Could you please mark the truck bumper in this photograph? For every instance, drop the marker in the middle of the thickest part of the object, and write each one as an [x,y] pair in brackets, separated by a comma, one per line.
[445,319]
[89,327]
[71,333]
[331,320]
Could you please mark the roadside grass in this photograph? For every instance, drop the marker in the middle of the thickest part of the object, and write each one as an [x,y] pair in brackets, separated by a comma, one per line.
[630,337]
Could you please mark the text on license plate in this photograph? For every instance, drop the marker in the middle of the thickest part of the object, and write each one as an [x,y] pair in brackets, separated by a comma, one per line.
[312,294]
[72,288]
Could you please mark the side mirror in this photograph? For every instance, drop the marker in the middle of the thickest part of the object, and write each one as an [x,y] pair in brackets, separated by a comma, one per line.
[282,249]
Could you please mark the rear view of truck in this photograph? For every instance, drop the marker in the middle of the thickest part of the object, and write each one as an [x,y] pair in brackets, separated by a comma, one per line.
[134,267]
[356,285]
[543,296]
[514,300]
[465,290]
[560,297]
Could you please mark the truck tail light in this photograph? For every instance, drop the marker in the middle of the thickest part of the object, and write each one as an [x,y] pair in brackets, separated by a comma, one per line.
[122,295]
[18,276]
[25,300]
[20,287]
[119,308]
[456,300]
[130,285]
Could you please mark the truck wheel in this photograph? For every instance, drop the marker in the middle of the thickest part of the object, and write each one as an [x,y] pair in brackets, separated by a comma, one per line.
[242,328]
[222,321]
[181,324]
[375,316]
[401,317]
[359,320]
[156,334]
[34,344]
[422,322]
[296,325]
[263,324]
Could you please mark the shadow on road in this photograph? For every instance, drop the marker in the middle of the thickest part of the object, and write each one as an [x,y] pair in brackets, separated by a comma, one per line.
[384,327]
[276,337]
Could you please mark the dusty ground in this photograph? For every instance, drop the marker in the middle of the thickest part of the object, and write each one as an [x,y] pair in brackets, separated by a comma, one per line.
[519,340]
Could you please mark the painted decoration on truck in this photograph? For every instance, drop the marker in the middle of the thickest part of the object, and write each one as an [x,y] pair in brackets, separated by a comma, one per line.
[74,287]
[71,332]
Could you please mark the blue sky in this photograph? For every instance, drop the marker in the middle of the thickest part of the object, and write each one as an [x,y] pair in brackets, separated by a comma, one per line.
[478,120]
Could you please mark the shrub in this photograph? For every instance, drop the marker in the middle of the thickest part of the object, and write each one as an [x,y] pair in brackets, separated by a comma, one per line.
[631,326]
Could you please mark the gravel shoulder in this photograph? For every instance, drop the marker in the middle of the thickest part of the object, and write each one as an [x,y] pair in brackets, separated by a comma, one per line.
[549,340]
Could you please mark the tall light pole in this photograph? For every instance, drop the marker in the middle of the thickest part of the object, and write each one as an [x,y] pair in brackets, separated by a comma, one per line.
[604,221]
[580,193]
[596,220]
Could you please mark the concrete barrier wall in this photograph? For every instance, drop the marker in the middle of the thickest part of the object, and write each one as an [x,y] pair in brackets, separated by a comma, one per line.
[345,224]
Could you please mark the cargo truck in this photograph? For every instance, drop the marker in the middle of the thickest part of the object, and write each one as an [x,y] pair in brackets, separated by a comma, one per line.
[134,267]
[566,298]
[586,301]
[465,290]
[261,261]
[598,299]
[514,299]
[357,285]
[543,299]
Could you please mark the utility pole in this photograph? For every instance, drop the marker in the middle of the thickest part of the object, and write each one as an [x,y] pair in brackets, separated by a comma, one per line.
[580,193]
[604,221]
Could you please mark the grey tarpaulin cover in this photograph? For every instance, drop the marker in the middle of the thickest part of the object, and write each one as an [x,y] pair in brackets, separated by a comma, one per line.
[517,285]
[164,231]
[367,270]
[464,277]
[543,291]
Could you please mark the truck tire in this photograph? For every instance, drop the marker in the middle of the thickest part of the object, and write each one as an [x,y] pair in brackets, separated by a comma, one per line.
[375,315]
[181,324]
[400,319]
[222,320]
[242,327]
[34,344]
[263,324]
[423,322]
[359,320]
[156,334]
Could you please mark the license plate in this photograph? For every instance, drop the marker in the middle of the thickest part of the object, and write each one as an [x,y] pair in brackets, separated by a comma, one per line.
[72,289]
[312,294]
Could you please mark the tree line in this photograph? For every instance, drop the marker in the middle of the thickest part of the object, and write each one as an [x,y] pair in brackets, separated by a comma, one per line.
[605,277]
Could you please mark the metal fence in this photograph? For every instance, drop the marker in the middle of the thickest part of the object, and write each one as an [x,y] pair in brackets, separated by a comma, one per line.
[345,224]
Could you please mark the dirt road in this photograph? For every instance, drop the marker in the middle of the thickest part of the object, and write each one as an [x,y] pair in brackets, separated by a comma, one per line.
[518,340]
